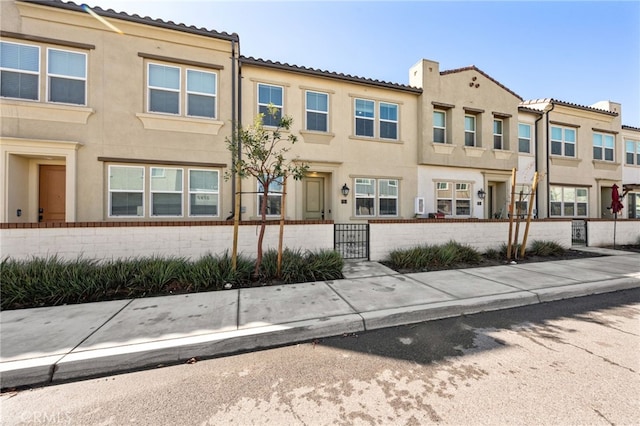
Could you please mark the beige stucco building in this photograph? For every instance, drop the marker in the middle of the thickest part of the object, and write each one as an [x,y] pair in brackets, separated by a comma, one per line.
[128,120]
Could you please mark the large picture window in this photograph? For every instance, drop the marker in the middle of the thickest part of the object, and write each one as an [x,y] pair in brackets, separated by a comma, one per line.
[126,191]
[563,141]
[568,201]
[67,76]
[270,95]
[603,147]
[203,192]
[317,109]
[453,198]
[166,191]
[19,71]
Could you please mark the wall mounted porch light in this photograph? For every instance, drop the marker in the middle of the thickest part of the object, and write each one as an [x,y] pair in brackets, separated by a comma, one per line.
[345,190]
[481,194]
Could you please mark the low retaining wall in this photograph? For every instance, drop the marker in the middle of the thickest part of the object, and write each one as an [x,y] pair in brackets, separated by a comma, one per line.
[192,240]
[600,232]
[387,236]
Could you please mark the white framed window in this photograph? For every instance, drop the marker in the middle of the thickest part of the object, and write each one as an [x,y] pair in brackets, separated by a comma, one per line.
[388,198]
[469,130]
[632,152]
[274,198]
[166,191]
[439,126]
[524,138]
[364,117]
[67,76]
[498,135]
[388,121]
[563,141]
[317,111]
[163,82]
[270,95]
[569,201]
[633,207]
[201,93]
[453,198]
[603,147]
[126,191]
[204,192]
[365,196]
[19,71]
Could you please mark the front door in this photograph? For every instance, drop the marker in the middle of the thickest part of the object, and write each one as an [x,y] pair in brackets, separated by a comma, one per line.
[314,198]
[52,197]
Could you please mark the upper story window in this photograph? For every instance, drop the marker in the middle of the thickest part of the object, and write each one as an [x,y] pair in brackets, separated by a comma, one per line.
[201,93]
[317,111]
[563,141]
[388,121]
[524,138]
[440,126]
[469,130]
[20,74]
[270,95]
[67,76]
[632,152]
[603,147]
[498,135]
[19,71]
[164,89]
[366,119]
[165,83]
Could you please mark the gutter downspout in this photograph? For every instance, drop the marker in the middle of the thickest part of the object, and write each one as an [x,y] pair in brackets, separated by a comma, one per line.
[548,161]
[537,155]
[234,114]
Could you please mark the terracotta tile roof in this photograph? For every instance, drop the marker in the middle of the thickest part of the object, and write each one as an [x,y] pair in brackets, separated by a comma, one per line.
[567,104]
[478,70]
[110,13]
[328,74]
[532,110]
[635,129]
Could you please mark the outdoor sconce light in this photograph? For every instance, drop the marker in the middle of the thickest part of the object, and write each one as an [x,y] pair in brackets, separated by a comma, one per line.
[345,190]
[481,194]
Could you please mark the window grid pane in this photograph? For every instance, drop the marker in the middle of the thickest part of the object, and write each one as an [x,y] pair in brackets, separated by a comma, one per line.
[317,105]
[203,192]
[126,191]
[439,127]
[166,191]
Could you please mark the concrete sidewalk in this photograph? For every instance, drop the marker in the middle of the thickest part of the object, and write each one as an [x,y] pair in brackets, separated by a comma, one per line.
[54,344]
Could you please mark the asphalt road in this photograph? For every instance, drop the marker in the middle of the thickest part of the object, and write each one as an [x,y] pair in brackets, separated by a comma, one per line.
[574,362]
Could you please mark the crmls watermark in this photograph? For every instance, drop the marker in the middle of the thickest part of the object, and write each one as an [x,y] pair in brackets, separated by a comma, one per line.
[41,417]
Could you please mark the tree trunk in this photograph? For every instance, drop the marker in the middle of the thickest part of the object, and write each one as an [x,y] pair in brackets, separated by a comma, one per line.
[263,224]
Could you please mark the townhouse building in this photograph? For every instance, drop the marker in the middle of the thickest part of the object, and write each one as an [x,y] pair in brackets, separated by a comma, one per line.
[128,120]
[125,121]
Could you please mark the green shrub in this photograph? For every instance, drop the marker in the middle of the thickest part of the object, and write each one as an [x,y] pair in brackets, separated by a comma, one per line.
[302,267]
[434,256]
[546,248]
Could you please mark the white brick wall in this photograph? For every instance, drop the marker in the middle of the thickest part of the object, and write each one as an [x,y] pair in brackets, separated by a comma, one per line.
[600,233]
[386,237]
[143,241]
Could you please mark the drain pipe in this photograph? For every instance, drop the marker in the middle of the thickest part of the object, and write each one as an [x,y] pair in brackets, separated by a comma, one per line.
[536,159]
[234,114]
[547,150]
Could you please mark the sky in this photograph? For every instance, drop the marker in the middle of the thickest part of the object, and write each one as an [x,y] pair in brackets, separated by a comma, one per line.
[574,51]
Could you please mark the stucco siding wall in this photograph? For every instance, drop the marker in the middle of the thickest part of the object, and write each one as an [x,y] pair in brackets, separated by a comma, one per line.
[181,241]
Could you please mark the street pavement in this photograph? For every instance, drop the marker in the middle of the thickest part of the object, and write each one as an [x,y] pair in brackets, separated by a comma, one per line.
[56,344]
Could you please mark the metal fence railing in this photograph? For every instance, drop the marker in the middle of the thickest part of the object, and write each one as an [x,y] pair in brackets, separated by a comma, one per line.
[352,240]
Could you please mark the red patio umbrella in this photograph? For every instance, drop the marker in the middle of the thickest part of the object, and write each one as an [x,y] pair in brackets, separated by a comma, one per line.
[616,205]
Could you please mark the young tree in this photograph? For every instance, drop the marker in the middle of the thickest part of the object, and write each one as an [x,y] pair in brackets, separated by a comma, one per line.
[262,156]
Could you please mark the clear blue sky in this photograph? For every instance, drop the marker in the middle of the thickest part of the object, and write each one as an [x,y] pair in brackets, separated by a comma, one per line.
[576,51]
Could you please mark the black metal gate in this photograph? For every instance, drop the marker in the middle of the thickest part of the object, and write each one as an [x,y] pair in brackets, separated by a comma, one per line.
[579,232]
[351,240]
